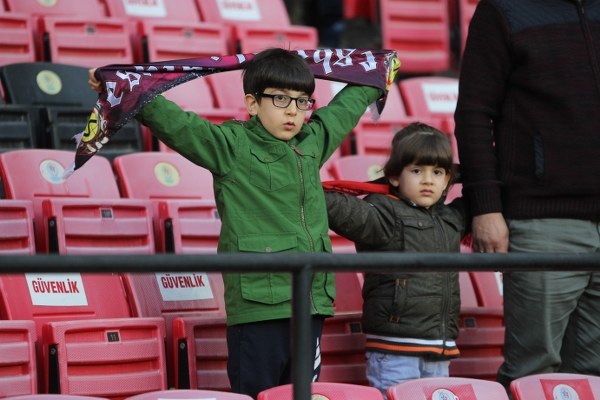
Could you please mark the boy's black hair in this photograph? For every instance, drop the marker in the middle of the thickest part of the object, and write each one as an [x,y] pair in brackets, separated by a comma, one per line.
[279,69]
[420,144]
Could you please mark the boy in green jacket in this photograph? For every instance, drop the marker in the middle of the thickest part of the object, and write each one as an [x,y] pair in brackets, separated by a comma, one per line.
[269,196]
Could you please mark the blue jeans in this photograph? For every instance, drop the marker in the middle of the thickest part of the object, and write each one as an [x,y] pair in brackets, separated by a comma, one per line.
[385,370]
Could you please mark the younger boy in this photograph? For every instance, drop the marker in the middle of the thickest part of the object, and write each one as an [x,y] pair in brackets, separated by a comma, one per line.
[269,196]
[410,318]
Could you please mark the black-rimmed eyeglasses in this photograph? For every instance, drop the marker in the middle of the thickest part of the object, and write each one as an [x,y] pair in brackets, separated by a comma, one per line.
[283,101]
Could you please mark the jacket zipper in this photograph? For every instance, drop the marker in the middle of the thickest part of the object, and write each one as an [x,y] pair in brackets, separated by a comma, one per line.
[302,212]
[445,288]
[589,42]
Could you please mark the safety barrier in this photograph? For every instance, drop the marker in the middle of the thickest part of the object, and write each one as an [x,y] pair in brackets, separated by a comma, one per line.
[301,266]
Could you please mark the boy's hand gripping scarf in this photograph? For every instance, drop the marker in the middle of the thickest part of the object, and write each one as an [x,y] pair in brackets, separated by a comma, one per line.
[127,88]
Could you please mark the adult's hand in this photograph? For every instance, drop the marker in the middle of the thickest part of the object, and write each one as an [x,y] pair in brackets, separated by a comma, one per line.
[490,233]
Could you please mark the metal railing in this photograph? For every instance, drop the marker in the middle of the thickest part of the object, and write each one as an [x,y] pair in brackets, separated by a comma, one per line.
[301,266]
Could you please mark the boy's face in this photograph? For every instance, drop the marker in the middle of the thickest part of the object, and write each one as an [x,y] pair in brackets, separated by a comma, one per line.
[421,184]
[282,123]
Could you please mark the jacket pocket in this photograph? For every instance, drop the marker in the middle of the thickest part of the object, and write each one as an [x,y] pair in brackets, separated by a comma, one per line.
[399,300]
[266,288]
[268,169]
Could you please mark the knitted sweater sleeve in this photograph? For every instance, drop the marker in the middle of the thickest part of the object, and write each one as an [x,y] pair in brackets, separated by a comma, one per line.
[483,83]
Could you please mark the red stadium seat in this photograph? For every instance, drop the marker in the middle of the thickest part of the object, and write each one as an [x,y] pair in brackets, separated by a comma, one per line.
[481,343]
[67,211]
[325,390]
[201,359]
[83,8]
[228,91]
[185,214]
[190,394]
[175,295]
[18,371]
[16,38]
[342,341]
[468,298]
[113,358]
[173,10]
[256,25]
[447,388]
[488,287]
[16,227]
[431,97]
[174,39]
[257,38]
[419,31]
[86,42]
[359,168]
[556,386]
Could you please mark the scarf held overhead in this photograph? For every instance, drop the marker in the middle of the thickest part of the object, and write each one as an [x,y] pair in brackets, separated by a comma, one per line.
[127,88]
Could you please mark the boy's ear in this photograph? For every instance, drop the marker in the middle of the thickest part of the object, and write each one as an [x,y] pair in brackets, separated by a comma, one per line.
[394,181]
[251,104]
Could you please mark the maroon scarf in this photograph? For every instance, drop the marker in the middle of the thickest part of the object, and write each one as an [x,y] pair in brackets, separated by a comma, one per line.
[127,88]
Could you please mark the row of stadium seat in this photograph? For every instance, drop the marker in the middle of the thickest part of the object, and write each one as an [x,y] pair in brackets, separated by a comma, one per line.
[99,32]
[541,386]
[103,334]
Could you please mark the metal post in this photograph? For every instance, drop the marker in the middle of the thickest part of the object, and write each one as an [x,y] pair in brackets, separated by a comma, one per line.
[301,342]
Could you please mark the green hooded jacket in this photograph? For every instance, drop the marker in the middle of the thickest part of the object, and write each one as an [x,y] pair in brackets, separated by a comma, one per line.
[268,193]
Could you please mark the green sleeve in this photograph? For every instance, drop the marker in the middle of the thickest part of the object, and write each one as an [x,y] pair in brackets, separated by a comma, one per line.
[208,145]
[334,122]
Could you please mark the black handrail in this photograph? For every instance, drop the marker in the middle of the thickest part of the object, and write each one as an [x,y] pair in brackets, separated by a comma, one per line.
[301,266]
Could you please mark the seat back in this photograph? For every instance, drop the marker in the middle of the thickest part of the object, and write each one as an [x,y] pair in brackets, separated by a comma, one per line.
[174,39]
[16,38]
[112,358]
[360,168]
[84,8]
[45,298]
[431,97]
[161,175]
[201,358]
[18,370]
[172,10]
[16,227]
[190,394]
[20,127]
[419,31]
[326,390]
[45,84]
[46,168]
[556,386]
[227,88]
[79,40]
[447,388]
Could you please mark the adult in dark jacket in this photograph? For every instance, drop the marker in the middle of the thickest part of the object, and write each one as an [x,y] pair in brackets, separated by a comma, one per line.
[410,318]
[528,132]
